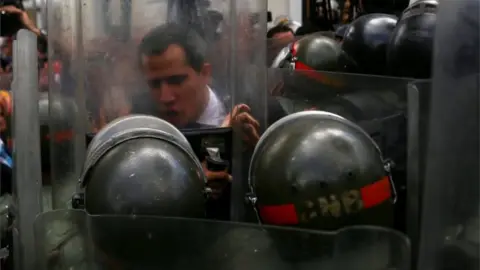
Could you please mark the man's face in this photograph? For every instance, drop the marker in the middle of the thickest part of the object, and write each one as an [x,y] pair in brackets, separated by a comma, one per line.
[285,37]
[177,88]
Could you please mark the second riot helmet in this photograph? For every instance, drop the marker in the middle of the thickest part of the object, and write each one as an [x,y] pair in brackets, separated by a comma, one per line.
[365,43]
[410,50]
[318,170]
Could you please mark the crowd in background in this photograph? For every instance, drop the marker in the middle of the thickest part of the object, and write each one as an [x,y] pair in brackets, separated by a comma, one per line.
[6,43]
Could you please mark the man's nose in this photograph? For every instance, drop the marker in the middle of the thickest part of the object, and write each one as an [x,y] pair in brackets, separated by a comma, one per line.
[165,94]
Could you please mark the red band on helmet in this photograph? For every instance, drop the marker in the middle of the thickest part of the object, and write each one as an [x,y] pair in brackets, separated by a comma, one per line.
[58,137]
[61,136]
[286,214]
[298,64]
[279,214]
[311,72]
[376,193]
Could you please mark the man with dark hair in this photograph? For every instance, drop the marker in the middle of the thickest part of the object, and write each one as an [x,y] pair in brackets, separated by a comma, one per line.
[172,60]
[278,37]
[280,31]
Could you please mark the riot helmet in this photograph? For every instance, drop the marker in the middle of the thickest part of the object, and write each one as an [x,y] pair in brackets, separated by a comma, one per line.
[142,165]
[312,52]
[410,50]
[304,64]
[365,43]
[318,170]
[139,166]
[56,113]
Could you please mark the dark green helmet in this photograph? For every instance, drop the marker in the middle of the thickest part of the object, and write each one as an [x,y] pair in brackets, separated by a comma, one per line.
[310,63]
[312,52]
[142,165]
[318,170]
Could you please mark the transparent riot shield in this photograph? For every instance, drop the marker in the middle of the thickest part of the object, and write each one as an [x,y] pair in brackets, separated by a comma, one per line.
[71,239]
[105,57]
[376,104]
[247,23]
[450,215]
[418,97]
[65,101]
[303,89]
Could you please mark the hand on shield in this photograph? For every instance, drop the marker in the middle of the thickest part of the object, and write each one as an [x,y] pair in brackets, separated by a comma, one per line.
[216,181]
[244,123]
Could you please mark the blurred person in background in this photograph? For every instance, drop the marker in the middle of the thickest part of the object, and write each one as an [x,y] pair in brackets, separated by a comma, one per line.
[6,56]
[281,31]
[278,37]
[42,64]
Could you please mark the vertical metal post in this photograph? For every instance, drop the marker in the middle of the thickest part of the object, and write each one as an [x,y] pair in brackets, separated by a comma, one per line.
[413,166]
[81,121]
[237,201]
[26,154]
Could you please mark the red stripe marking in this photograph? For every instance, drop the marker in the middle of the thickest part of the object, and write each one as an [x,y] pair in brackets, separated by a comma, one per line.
[376,193]
[279,214]
[311,72]
[61,136]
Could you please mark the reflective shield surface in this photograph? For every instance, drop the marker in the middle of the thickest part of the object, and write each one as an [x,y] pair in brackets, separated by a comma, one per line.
[183,61]
[418,96]
[450,214]
[376,104]
[75,240]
